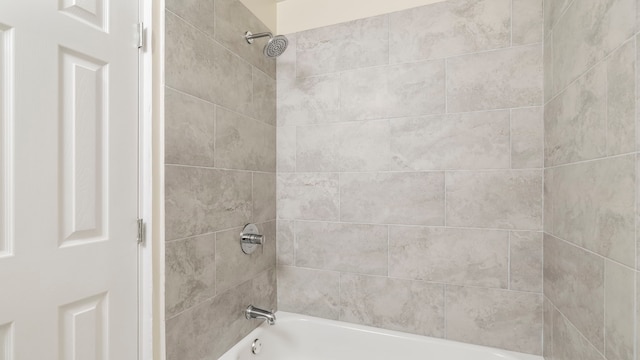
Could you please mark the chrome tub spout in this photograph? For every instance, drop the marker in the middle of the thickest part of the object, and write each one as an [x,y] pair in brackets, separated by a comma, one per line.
[253,312]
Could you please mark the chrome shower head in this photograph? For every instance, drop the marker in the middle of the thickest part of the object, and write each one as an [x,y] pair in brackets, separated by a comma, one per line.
[275,46]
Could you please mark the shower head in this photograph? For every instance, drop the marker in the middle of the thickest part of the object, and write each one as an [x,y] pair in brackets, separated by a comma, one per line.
[275,46]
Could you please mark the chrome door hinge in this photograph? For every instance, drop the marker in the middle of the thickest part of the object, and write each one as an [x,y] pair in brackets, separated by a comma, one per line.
[141,231]
[140,35]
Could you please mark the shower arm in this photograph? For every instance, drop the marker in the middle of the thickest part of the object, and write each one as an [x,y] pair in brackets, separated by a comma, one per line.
[250,37]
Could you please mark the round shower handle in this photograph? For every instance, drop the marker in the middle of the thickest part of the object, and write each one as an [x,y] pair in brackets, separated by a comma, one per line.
[250,239]
[253,239]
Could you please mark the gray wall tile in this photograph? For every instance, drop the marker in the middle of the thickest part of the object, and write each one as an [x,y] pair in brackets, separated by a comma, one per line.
[568,342]
[306,291]
[209,68]
[525,249]
[452,256]
[418,198]
[308,196]
[221,318]
[587,32]
[574,282]
[199,201]
[527,22]
[363,143]
[350,45]
[410,89]
[232,20]
[548,201]
[547,341]
[621,102]
[356,146]
[362,248]
[233,82]
[548,66]
[189,130]
[264,197]
[189,58]
[477,82]
[264,97]
[286,149]
[197,12]
[619,325]
[527,138]
[553,9]
[495,199]
[391,304]
[458,141]
[500,318]
[244,143]
[637,312]
[313,100]
[233,266]
[285,243]
[190,276]
[593,206]
[449,28]
[576,121]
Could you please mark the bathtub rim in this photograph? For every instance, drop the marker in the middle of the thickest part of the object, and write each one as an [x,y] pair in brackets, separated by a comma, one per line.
[289,317]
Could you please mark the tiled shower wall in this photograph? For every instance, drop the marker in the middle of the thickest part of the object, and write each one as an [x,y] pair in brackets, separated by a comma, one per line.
[410,172]
[220,143]
[590,251]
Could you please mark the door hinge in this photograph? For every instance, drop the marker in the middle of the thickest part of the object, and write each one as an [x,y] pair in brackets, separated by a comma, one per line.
[141,231]
[140,35]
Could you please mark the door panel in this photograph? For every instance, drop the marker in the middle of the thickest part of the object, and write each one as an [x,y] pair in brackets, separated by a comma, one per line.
[68,179]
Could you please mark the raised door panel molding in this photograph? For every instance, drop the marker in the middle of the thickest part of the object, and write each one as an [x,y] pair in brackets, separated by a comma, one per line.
[6,342]
[84,142]
[6,138]
[83,333]
[91,12]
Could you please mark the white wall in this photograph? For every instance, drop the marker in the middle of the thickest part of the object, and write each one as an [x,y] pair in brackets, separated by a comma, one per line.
[265,10]
[289,16]
[298,15]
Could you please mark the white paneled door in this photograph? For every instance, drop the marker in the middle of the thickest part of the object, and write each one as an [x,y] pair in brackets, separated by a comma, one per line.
[68,179]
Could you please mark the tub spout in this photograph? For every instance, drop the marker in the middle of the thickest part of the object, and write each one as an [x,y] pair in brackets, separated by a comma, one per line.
[253,312]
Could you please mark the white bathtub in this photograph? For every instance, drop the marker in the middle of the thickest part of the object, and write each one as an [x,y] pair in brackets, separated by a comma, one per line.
[300,337]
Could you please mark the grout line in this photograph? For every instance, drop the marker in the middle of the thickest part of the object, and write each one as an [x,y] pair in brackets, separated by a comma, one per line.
[339,295]
[587,71]
[636,351]
[446,86]
[511,139]
[604,307]
[444,303]
[388,251]
[584,338]
[340,197]
[234,228]
[601,257]
[410,225]
[445,198]
[590,160]
[511,24]
[253,202]
[220,169]
[410,117]
[509,262]
[248,116]
[506,48]
[566,9]
[375,172]
[295,242]
[606,110]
